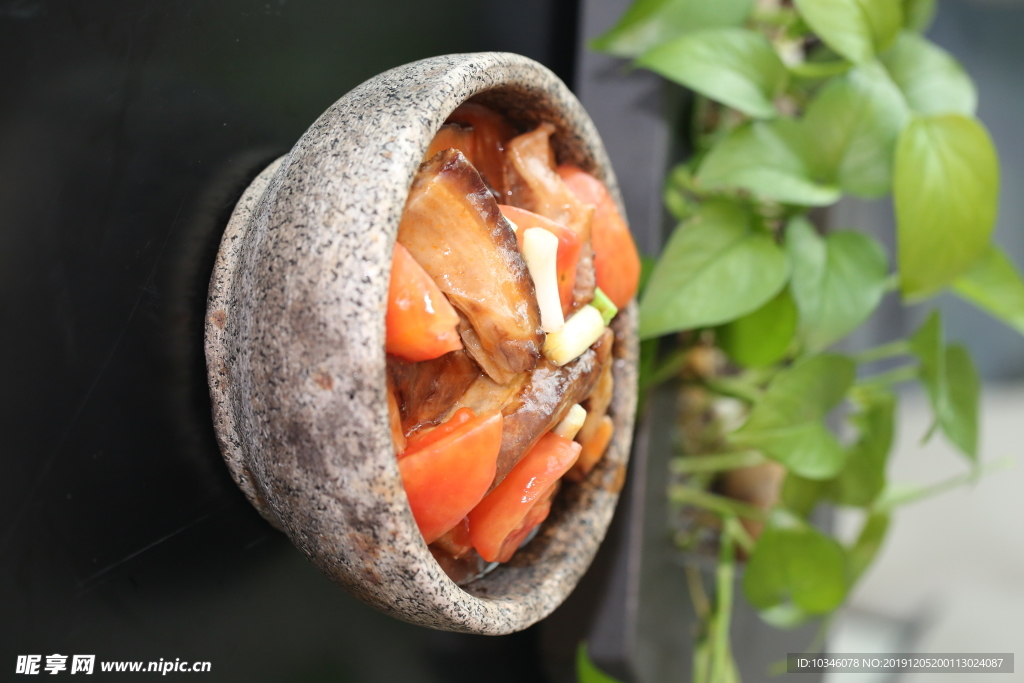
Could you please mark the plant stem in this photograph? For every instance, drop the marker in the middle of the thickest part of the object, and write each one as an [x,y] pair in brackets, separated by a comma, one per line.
[900,347]
[725,574]
[698,596]
[668,369]
[715,462]
[906,373]
[912,495]
[715,503]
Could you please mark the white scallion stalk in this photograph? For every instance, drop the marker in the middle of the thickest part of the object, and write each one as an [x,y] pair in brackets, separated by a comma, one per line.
[515,228]
[575,337]
[571,423]
[540,250]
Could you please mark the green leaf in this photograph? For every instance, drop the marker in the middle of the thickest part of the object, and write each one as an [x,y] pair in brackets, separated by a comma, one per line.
[763,337]
[952,384]
[769,159]
[856,29]
[648,23]
[863,477]
[995,285]
[800,495]
[837,281]
[715,268]
[918,14]
[931,80]
[587,671]
[863,552]
[796,565]
[946,191]
[787,423]
[963,388]
[855,121]
[734,66]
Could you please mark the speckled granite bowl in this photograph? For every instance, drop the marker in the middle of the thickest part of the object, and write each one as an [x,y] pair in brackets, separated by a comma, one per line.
[295,348]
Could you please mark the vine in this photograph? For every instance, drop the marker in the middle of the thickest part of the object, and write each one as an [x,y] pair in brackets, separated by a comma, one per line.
[797,105]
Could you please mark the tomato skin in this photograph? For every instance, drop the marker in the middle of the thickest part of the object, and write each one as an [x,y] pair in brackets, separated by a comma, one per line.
[504,509]
[616,259]
[539,511]
[446,478]
[425,437]
[421,324]
[568,247]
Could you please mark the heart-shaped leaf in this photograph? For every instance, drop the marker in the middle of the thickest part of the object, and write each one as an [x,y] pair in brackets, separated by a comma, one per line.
[868,543]
[930,79]
[648,23]
[795,564]
[763,337]
[837,281]
[994,284]
[863,476]
[715,268]
[770,159]
[855,121]
[856,29]
[946,190]
[918,14]
[733,66]
[787,422]
[952,383]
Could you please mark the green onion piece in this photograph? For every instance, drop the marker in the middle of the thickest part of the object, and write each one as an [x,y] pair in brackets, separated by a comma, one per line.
[603,304]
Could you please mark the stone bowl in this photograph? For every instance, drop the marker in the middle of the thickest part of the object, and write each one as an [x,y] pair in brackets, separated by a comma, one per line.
[295,348]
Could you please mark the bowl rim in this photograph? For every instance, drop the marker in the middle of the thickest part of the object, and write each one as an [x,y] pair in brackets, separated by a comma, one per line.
[313,235]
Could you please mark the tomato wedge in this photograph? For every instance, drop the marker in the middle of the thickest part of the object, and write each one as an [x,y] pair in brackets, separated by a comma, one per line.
[445,478]
[568,247]
[539,511]
[424,438]
[616,259]
[593,449]
[504,509]
[421,324]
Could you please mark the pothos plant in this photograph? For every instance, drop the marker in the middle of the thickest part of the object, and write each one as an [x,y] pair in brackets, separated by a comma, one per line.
[798,104]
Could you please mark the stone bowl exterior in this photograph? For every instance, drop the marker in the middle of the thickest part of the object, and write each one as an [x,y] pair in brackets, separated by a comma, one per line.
[295,348]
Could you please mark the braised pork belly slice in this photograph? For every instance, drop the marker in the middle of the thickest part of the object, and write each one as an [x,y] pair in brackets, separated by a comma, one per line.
[452,135]
[534,185]
[453,228]
[533,403]
[426,390]
[490,134]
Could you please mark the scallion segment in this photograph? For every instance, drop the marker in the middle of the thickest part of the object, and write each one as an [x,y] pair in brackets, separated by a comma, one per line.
[575,337]
[602,303]
[571,423]
[540,251]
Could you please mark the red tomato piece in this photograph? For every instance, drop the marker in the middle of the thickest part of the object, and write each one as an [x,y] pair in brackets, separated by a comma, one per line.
[593,450]
[538,513]
[421,324]
[504,509]
[568,247]
[425,437]
[616,259]
[447,477]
